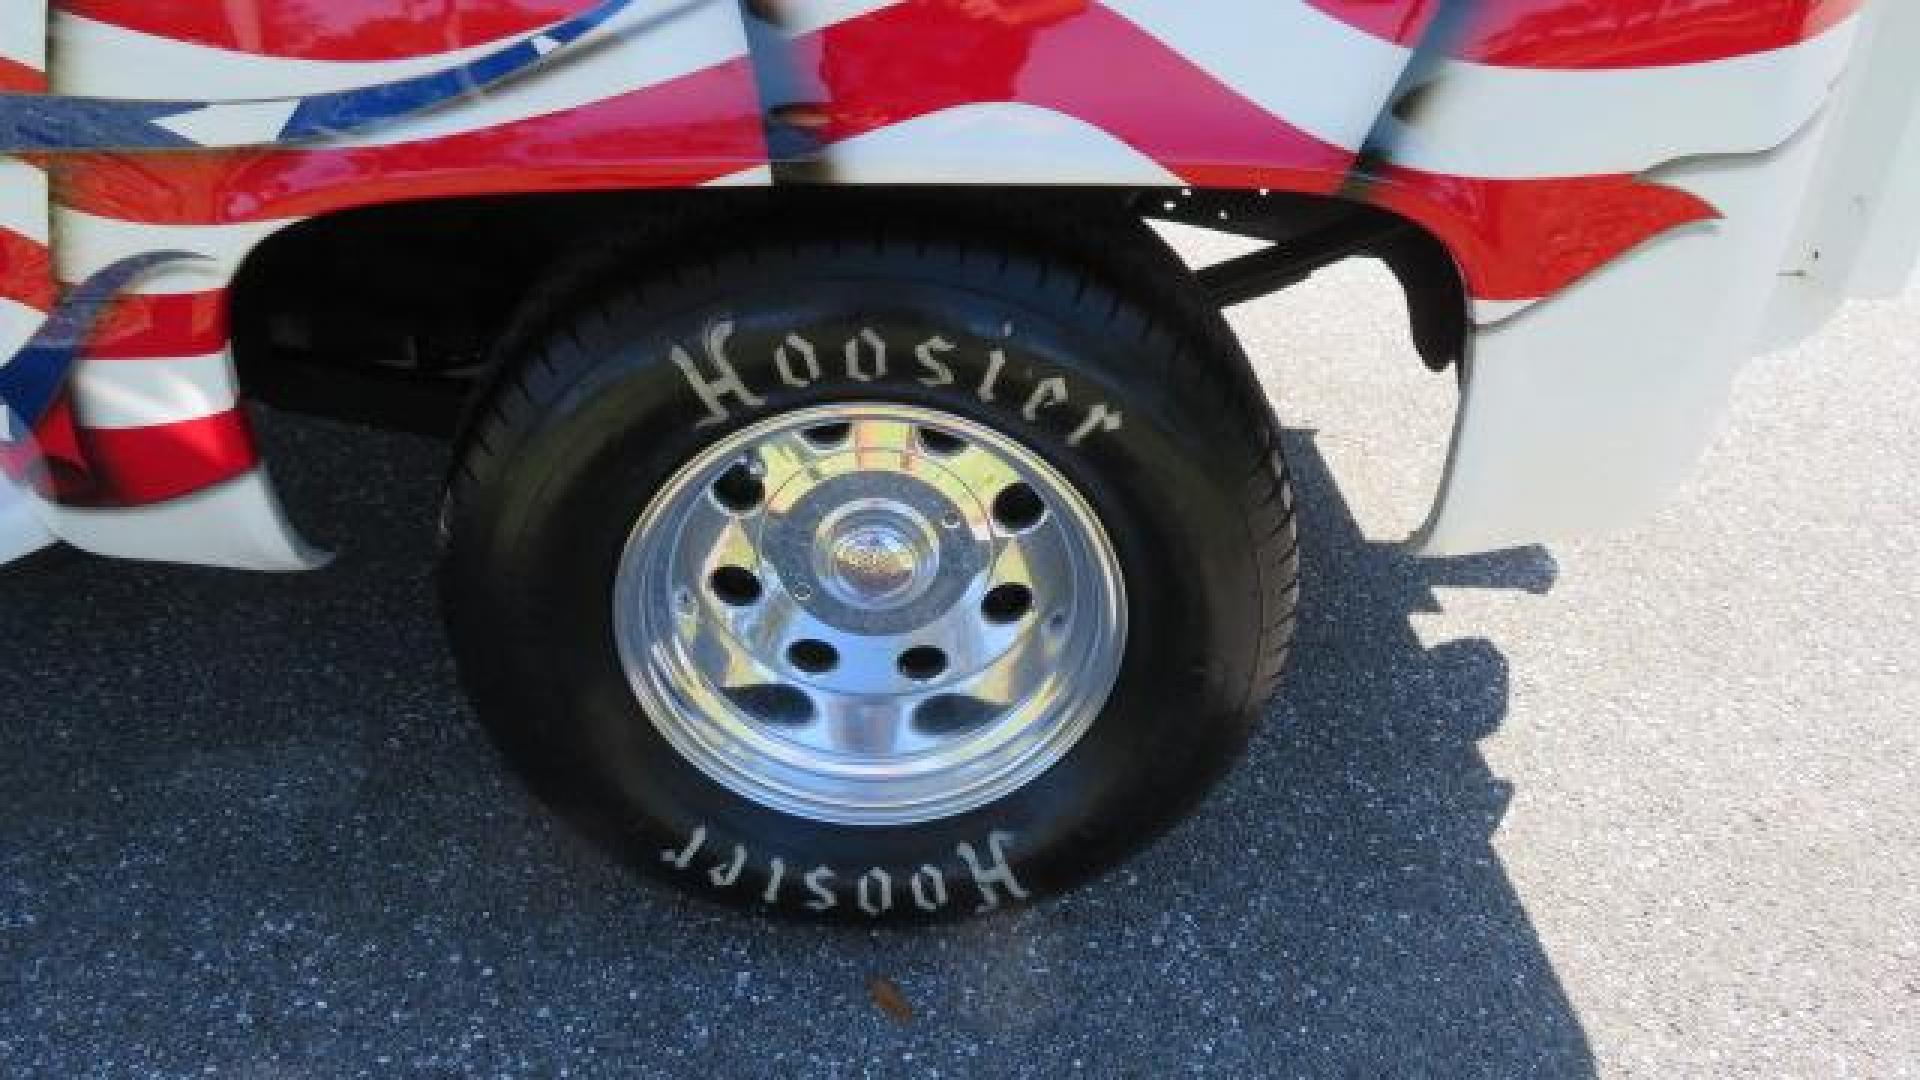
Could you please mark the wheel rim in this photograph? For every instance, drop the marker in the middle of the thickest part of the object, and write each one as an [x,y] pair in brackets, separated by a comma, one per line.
[870,614]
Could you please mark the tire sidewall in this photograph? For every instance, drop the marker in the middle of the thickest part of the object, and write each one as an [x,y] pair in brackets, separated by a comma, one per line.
[534,552]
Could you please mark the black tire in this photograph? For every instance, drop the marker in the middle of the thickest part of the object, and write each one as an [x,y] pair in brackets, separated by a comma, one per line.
[588,420]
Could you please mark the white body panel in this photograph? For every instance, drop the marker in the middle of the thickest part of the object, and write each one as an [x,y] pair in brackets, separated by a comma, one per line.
[1013,143]
[236,524]
[17,325]
[1582,413]
[1566,429]
[149,392]
[1860,235]
[1471,117]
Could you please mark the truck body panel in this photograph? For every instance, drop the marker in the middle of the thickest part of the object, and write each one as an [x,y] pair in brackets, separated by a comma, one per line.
[1631,190]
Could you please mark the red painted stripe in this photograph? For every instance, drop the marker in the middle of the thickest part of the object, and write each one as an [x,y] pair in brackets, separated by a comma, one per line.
[139,327]
[54,463]
[1171,109]
[18,78]
[367,30]
[126,467]
[680,133]
[26,271]
[1525,239]
[1400,21]
[1599,34]
[919,58]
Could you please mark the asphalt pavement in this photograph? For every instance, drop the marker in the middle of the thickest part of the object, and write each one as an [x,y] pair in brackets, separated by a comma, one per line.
[1639,806]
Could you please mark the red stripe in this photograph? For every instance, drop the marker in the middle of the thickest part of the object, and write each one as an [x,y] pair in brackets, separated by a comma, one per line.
[1525,33]
[18,78]
[1525,239]
[1596,34]
[922,57]
[330,29]
[680,133]
[139,327]
[1401,21]
[26,271]
[128,467]
[1173,110]
[62,468]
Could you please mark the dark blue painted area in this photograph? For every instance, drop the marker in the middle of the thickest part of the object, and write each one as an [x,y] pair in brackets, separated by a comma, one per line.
[333,113]
[35,122]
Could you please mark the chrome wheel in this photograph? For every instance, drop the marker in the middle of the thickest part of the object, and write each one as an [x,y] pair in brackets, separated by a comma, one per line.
[870,614]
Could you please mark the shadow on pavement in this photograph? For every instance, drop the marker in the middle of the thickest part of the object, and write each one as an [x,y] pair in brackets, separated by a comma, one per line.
[249,825]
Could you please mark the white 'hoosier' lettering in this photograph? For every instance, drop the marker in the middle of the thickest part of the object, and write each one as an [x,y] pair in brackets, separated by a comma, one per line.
[713,391]
[717,382]
[874,891]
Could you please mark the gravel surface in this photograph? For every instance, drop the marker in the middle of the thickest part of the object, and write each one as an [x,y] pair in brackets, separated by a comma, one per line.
[1644,806]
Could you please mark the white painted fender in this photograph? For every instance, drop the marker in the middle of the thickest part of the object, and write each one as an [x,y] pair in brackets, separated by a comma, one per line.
[1580,414]
[1861,235]
[238,524]
[1518,123]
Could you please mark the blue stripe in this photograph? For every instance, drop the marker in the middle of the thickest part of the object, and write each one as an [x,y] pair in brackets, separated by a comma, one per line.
[330,114]
[35,122]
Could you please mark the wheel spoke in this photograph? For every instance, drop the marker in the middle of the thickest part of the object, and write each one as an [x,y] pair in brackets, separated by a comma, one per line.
[878,435]
[864,728]
[982,472]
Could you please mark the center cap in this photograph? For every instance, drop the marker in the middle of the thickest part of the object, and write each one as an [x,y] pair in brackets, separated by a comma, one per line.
[874,563]
[873,553]
[876,554]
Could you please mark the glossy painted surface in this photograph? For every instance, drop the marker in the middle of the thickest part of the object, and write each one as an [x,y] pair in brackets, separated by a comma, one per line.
[1638,33]
[335,30]
[1247,94]
[1527,134]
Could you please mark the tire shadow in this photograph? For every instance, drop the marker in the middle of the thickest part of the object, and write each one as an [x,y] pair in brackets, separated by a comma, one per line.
[251,825]
[1406,940]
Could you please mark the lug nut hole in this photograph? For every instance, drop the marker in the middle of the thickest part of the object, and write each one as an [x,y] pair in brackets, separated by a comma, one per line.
[923,662]
[773,703]
[736,586]
[828,436]
[813,657]
[1018,508]
[739,490]
[940,443]
[950,714]
[1007,603]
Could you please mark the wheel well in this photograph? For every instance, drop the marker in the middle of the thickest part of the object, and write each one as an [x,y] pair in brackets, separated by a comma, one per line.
[1307,233]
[393,315]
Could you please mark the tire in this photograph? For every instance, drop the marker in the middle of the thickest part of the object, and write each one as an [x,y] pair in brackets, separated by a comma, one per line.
[1134,401]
